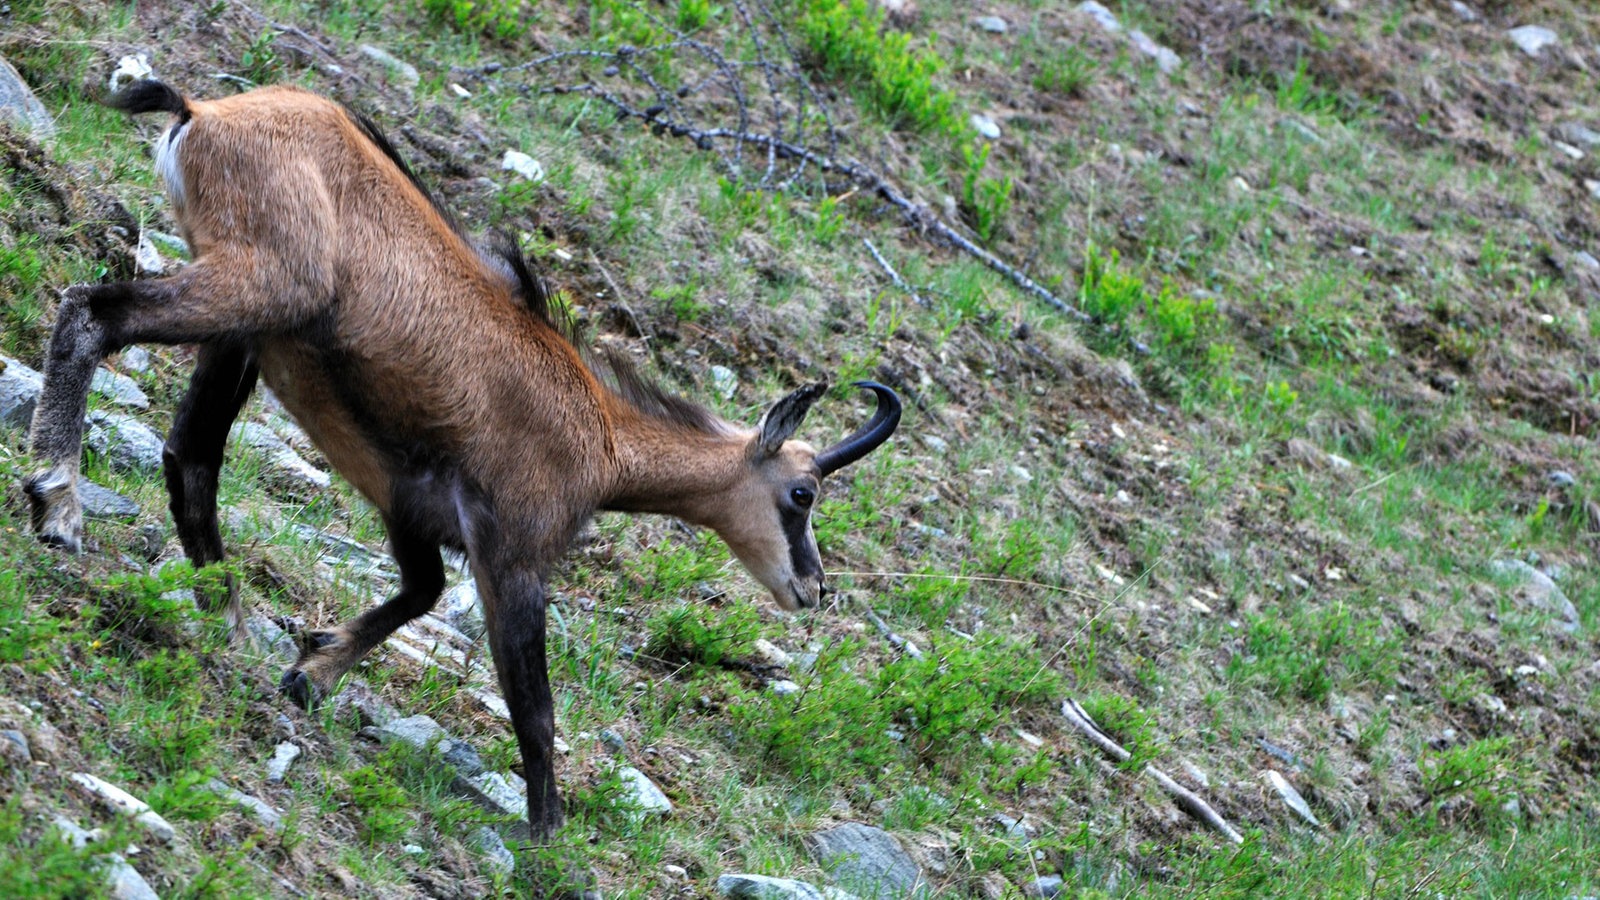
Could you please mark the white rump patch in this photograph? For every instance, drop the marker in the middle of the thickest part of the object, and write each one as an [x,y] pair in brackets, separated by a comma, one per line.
[167,160]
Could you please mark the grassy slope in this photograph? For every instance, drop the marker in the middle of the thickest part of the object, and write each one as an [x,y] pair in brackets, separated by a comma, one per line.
[1344,234]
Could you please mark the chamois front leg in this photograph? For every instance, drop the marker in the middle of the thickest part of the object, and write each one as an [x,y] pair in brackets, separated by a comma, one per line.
[77,345]
[224,376]
[514,615]
[327,654]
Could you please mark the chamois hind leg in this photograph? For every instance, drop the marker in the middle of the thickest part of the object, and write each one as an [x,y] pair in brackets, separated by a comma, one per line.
[327,654]
[224,375]
[216,298]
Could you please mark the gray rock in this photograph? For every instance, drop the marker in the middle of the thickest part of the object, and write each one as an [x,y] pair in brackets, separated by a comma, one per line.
[20,106]
[488,842]
[985,126]
[1014,829]
[271,639]
[136,359]
[119,389]
[1167,59]
[1586,259]
[1463,12]
[461,755]
[282,758]
[1299,130]
[19,392]
[255,806]
[459,609]
[127,443]
[992,24]
[612,740]
[279,455]
[1045,886]
[125,882]
[14,743]
[761,887]
[1579,134]
[358,699]
[146,258]
[523,164]
[783,687]
[866,860]
[1291,797]
[400,70]
[1538,590]
[120,801]
[494,792]
[74,835]
[342,551]
[169,244]
[724,382]
[1106,18]
[641,794]
[1561,479]
[1532,39]
[421,732]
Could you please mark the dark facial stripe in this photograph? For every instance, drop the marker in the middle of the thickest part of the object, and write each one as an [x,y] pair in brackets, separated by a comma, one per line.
[796,528]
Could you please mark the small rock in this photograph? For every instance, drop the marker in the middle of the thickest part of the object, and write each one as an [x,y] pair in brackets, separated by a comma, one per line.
[130,69]
[19,392]
[991,24]
[257,807]
[1291,797]
[75,835]
[136,359]
[398,68]
[1014,829]
[1532,39]
[1579,134]
[125,882]
[936,444]
[1045,886]
[1537,589]
[675,872]
[119,800]
[724,382]
[1561,479]
[761,887]
[282,758]
[14,744]
[1167,60]
[612,740]
[459,608]
[280,457]
[641,794]
[460,91]
[146,258]
[487,841]
[1100,14]
[19,105]
[1300,131]
[783,687]
[1586,259]
[421,732]
[461,755]
[865,859]
[769,653]
[985,126]
[127,443]
[522,164]
[119,389]
[169,244]
[1463,12]
[493,792]
[358,699]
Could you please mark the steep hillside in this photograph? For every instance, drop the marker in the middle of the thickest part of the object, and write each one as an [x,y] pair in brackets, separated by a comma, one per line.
[1249,352]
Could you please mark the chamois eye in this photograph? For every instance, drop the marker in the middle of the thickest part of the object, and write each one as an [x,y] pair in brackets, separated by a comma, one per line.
[803,497]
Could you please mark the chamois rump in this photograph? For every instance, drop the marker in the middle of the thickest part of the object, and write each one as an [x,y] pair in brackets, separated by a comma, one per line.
[430,373]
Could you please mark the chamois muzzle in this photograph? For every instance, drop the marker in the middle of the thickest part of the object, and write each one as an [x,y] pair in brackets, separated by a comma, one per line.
[869,437]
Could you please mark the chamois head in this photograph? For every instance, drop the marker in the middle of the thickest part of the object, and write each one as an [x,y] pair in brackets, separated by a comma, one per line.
[766,518]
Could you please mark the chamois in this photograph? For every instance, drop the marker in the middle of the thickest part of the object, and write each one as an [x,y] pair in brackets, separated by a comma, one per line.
[428,370]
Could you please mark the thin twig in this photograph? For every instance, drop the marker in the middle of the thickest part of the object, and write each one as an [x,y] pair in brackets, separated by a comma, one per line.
[1187,800]
[893,275]
[889,634]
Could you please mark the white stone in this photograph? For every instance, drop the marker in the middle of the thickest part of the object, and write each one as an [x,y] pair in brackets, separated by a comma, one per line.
[403,71]
[1166,59]
[282,758]
[1532,38]
[1105,17]
[130,69]
[724,382]
[642,794]
[147,258]
[783,687]
[985,126]
[1291,797]
[991,24]
[120,801]
[770,653]
[459,91]
[522,164]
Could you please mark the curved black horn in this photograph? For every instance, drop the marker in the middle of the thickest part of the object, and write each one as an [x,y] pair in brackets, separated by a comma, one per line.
[864,441]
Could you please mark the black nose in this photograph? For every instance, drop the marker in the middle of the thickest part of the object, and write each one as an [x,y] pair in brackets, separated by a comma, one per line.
[822,589]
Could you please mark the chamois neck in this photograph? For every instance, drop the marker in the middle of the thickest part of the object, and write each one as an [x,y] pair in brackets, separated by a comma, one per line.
[674,470]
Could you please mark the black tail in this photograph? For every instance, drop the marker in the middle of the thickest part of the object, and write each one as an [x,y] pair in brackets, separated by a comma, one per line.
[150,95]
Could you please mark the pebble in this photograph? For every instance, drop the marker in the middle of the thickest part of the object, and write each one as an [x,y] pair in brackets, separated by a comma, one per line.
[282,758]
[1532,39]
[1291,797]
[401,70]
[523,164]
[125,803]
[724,382]
[991,24]
[985,126]
[642,794]
[1106,18]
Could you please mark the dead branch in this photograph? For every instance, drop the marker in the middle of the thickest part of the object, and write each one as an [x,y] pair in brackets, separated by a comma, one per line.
[1186,799]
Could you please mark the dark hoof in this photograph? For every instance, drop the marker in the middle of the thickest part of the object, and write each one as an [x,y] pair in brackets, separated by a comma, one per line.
[54,510]
[297,685]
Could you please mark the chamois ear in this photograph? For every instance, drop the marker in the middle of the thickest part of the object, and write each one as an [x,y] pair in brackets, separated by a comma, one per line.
[785,416]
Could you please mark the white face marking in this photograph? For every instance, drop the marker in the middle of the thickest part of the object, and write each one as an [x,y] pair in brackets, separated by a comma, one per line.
[167,161]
